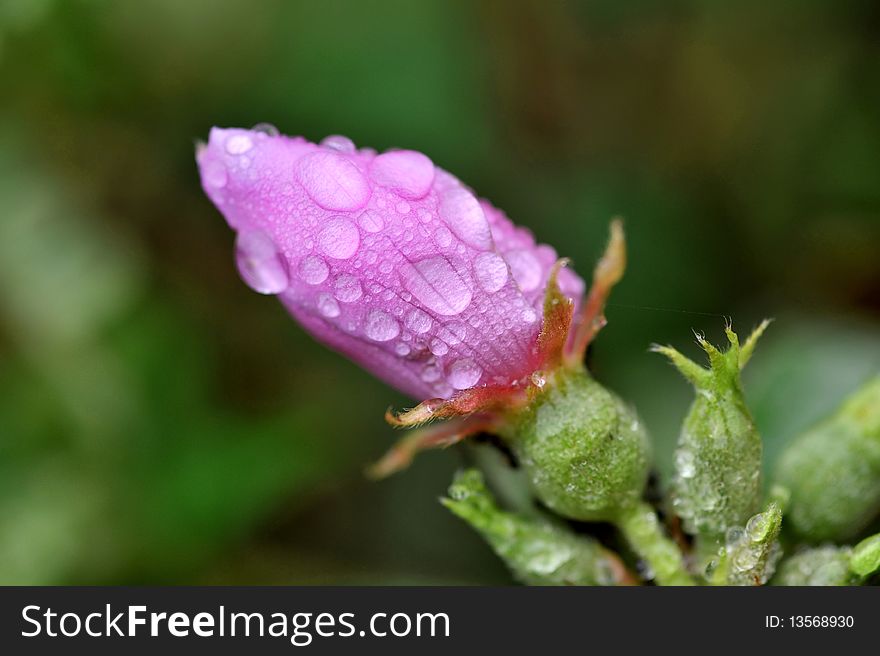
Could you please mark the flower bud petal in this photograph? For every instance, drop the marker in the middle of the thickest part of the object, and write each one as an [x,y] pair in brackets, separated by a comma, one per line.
[385,258]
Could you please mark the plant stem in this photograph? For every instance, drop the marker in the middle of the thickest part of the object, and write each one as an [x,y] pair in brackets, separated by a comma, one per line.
[641,528]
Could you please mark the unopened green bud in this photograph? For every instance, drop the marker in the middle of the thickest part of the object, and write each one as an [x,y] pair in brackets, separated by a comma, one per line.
[585,451]
[536,551]
[750,554]
[819,566]
[865,558]
[833,471]
[718,460]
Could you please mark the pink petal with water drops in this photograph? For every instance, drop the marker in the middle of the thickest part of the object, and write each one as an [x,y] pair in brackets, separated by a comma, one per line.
[383,257]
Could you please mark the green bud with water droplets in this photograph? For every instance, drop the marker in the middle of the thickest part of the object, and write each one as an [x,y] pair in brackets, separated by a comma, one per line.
[750,554]
[585,451]
[537,551]
[819,566]
[718,459]
[833,471]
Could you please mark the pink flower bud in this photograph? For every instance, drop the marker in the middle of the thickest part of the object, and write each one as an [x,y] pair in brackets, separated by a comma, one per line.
[386,258]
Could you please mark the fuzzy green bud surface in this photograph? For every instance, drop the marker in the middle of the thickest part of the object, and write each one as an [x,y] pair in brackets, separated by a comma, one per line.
[820,566]
[833,471]
[717,482]
[585,451]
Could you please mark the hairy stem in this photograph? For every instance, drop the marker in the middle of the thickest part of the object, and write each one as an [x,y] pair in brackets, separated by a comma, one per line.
[641,528]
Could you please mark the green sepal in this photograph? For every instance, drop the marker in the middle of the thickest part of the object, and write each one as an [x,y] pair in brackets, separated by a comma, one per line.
[833,471]
[536,551]
[865,558]
[718,459]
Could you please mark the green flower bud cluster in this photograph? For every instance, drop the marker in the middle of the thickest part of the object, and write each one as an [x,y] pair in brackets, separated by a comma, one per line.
[586,457]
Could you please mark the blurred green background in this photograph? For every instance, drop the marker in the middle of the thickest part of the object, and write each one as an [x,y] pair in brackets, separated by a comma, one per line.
[159,422]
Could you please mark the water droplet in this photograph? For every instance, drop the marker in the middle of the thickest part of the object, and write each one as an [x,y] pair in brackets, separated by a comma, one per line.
[417,321]
[757,527]
[437,285]
[529,315]
[684,463]
[443,389]
[347,288]
[463,214]
[266,128]
[259,263]
[371,221]
[215,174]
[464,374]
[491,271]
[453,333]
[402,207]
[339,238]
[443,236]
[381,326]
[525,268]
[332,181]
[406,172]
[538,379]
[338,142]
[328,306]
[733,535]
[313,270]
[745,559]
[401,349]
[238,144]
[439,347]
[431,373]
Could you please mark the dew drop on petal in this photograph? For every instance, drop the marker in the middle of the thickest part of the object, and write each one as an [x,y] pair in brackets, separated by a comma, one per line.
[266,128]
[453,333]
[347,288]
[328,306]
[338,142]
[439,347]
[491,271]
[463,214]
[431,373]
[443,236]
[332,181]
[238,144]
[525,268]
[313,270]
[259,263]
[417,321]
[464,374]
[437,285]
[529,315]
[339,238]
[401,349]
[408,173]
[215,174]
[381,326]
[371,221]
